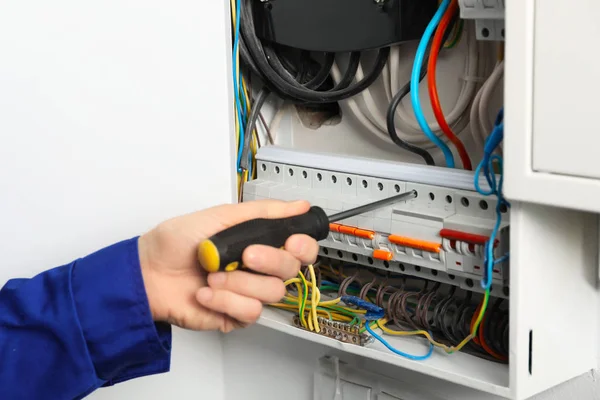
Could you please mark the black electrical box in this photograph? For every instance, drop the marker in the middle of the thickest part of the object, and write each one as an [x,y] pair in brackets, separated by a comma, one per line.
[341,25]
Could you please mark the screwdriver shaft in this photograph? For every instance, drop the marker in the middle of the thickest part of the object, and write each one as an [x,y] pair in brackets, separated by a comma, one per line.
[372,206]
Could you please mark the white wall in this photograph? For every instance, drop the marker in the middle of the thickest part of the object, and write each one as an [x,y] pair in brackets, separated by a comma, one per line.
[114,115]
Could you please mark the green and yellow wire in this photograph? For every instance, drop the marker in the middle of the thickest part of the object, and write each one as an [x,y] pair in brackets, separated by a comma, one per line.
[309,310]
[242,176]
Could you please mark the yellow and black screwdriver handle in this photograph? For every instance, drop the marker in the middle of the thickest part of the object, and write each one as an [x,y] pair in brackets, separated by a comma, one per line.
[223,251]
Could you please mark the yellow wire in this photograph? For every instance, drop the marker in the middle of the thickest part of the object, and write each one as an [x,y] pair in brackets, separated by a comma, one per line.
[333,316]
[447,349]
[314,299]
[388,331]
[327,303]
[254,133]
[290,281]
[302,319]
[315,302]
[330,302]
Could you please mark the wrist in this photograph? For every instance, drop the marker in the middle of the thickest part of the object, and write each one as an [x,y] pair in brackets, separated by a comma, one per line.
[145,258]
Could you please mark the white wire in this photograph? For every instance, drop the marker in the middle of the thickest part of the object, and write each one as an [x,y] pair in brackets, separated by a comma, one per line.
[481,125]
[486,97]
[372,116]
[474,118]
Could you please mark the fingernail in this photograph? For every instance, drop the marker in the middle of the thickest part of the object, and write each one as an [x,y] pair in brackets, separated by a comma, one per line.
[205,294]
[217,279]
[252,259]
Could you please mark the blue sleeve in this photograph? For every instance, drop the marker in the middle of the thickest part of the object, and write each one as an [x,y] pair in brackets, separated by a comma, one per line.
[75,328]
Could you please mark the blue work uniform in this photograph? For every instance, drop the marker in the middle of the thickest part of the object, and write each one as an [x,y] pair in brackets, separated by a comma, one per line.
[73,329]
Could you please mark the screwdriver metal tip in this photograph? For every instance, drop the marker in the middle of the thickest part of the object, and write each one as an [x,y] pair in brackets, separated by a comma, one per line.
[373,206]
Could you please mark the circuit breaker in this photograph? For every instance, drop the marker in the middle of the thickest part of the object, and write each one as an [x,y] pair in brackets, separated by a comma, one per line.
[488,16]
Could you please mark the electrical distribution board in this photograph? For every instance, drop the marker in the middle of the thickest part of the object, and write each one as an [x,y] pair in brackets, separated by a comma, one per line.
[458,284]
[440,235]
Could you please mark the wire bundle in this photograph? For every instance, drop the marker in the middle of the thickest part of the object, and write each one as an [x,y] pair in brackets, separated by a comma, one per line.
[414,83]
[487,166]
[422,309]
[296,76]
[246,136]
[294,81]
[407,132]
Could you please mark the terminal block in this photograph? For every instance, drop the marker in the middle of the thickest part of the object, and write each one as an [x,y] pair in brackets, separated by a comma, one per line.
[440,235]
[488,16]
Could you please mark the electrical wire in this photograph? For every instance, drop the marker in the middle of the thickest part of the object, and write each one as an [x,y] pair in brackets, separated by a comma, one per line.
[266,128]
[367,112]
[479,117]
[273,71]
[398,352]
[480,332]
[414,87]
[261,97]
[236,5]
[487,167]
[251,140]
[391,125]
[433,92]
[457,35]
[391,114]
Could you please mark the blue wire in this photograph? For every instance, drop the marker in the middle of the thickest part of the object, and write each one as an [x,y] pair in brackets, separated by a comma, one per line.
[502,259]
[414,83]
[393,350]
[236,82]
[487,165]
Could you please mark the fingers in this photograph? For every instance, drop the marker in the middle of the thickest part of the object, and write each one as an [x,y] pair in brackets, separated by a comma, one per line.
[285,264]
[271,261]
[234,299]
[231,214]
[243,309]
[266,289]
[304,248]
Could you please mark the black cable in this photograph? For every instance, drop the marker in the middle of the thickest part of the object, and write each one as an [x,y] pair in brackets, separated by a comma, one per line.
[247,59]
[491,326]
[323,73]
[274,72]
[403,92]
[391,124]
[350,73]
[256,106]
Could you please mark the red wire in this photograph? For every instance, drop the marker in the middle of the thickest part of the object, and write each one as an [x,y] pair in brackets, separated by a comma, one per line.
[433,92]
[480,339]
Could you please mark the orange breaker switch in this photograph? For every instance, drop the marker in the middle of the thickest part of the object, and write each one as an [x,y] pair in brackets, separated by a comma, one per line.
[364,234]
[347,230]
[383,255]
[415,243]
[350,230]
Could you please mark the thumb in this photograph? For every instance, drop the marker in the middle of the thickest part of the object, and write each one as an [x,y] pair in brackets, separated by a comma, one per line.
[232,214]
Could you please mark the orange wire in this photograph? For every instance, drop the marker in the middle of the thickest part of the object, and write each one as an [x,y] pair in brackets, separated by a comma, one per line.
[433,92]
[480,340]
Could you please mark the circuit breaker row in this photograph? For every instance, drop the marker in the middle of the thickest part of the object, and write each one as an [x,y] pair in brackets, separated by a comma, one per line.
[439,235]
[488,16]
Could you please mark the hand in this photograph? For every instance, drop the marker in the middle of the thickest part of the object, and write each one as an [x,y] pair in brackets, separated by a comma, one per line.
[179,290]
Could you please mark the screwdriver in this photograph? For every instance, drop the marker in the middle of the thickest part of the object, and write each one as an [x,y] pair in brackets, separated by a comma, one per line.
[223,251]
